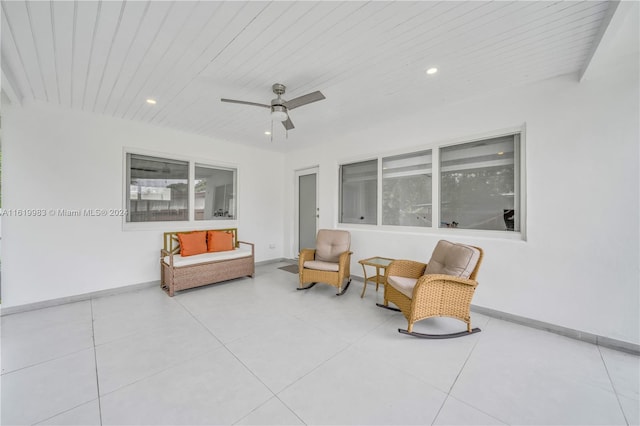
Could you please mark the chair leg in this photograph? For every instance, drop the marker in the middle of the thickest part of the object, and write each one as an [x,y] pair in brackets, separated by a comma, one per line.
[410,332]
[386,306]
[342,291]
[439,336]
[307,287]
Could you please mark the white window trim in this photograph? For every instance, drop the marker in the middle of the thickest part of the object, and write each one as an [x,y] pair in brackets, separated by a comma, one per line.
[178,225]
[435,152]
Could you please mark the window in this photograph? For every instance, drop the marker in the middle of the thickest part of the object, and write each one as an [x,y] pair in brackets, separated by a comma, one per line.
[359,192]
[164,189]
[406,189]
[158,189]
[479,185]
[214,193]
[471,185]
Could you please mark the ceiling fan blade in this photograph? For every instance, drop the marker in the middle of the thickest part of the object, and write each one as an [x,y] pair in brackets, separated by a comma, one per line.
[288,124]
[304,99]
[232,101]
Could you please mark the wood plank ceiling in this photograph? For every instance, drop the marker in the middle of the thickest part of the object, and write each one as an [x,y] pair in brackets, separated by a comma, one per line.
[368,58]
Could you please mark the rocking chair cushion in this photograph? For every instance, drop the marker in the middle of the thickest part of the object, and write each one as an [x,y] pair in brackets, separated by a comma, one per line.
[331,243]
[319,265]
[404,285]
[453,259]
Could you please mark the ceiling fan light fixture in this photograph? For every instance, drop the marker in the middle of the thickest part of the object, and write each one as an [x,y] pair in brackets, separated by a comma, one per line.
[278,113]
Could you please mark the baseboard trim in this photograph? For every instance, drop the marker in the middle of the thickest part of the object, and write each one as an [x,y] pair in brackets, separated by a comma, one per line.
[78,298]
[267,262]
[595,339]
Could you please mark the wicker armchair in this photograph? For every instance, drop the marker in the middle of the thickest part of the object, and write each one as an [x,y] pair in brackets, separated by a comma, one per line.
[328,263]
[442,288]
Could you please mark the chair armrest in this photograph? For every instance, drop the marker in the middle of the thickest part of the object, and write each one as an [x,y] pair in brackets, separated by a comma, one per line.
[305,254]
[250,244]
[345,259]
[426,280]
[405,268]
[163,254]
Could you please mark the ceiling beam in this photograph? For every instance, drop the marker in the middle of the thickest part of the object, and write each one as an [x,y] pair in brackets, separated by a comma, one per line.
[608,25]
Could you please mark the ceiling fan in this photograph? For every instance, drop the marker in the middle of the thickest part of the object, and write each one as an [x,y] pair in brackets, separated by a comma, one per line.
[280,107]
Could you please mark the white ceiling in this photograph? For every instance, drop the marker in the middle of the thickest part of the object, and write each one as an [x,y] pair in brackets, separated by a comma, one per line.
[367,58]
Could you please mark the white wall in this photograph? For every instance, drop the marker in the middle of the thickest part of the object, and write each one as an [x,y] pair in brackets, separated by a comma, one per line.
[55,158]
[579,267]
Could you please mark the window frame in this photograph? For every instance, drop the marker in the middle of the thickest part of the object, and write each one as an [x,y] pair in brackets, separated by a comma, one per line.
[435,147]
[191,222]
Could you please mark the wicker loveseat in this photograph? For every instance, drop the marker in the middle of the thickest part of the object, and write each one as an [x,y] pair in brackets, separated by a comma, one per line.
[179,271]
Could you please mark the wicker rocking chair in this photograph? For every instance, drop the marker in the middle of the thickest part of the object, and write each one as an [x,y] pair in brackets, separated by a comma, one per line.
[442,288]
[328,263]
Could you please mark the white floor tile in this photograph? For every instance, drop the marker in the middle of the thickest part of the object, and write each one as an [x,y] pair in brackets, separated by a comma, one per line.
[329,359]
[521,375]
[130,359]
[273,412]
[436,361]
[631,408]
[624,371]
[85,415]
[40,392]
[278,357]
[61,314]
[235,321]
[120,316]
[455,412]
[353,389]
[23,347]
[214,388]
[204,300]
[351,318]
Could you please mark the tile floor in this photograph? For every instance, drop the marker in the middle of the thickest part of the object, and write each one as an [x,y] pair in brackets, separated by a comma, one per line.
[256,351]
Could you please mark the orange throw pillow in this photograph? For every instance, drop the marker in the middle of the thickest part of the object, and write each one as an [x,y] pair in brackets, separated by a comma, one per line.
[219,241]
[192,243]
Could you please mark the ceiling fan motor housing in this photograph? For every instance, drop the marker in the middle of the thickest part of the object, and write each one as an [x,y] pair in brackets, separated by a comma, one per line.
[278,89]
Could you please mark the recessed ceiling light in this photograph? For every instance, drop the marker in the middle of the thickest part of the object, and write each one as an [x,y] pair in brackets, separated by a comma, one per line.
[267,133]
[501,153]
[432,70]
[151,101]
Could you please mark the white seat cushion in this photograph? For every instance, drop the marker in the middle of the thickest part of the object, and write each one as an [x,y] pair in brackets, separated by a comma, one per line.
[238,253]
[403,284]
[319,265]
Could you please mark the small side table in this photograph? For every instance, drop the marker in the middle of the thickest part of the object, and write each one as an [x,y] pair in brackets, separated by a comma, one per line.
[378,263]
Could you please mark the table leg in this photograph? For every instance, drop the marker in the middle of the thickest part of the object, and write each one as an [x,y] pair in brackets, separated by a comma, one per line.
[377,277]
[364,269]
